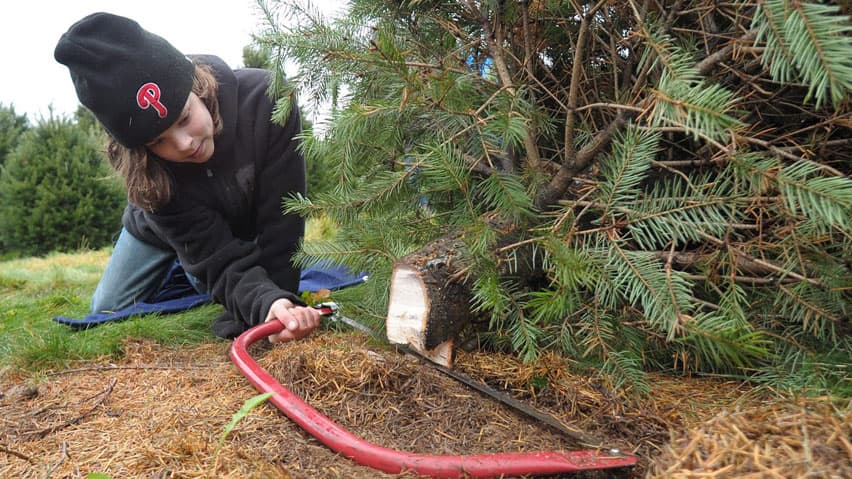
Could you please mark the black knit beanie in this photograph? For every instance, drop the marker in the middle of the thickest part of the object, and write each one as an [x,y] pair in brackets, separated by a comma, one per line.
[135,82]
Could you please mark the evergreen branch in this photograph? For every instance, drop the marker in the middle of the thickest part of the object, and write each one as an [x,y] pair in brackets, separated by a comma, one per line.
[782,152]
[506,195]
[733,301]
[560,182]
[624,371]
[819,35]
[693,260]
[384,188]
[524,332]
[667,213]
[783,272]
[722,342]
[823,199]
[446,170]
[799,370]
[671,287]
[302,13]
[682,97]
[569,268]
[661,44]
[626,168]
[740,279]
[387,186]
[670,211]
[389,192]
[809,39]
[299,204]
[347,253]
[495,41]
[797,304]
[636,215]
[596,333]
[507,130]
[697,107]
[553,304]
[642,281]
[829,199]
[488,295]
[477,121]
[769,21]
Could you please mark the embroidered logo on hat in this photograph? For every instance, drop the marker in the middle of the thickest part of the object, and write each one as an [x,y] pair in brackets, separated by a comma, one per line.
[149,96]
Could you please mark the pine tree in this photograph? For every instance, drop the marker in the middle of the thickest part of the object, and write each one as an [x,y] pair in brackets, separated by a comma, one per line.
[56,192]
[679,175]
[254,57]
[12,126]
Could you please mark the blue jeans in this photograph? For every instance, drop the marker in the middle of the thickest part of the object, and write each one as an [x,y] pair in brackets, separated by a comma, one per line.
[134,273]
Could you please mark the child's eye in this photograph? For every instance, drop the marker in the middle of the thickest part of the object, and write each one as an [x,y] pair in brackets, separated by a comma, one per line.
[185,119]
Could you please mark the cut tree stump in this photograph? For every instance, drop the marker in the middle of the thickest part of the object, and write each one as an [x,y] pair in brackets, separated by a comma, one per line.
[427,305]
[430,293]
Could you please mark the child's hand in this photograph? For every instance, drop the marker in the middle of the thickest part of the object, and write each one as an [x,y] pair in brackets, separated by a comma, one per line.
[298,321]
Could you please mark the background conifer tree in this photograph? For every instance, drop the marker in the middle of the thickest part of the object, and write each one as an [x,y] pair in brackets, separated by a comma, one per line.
[56,191]
[676,172]
[12,126]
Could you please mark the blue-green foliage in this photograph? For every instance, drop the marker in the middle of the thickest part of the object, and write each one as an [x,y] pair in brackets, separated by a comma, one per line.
[56,193]
[808,42]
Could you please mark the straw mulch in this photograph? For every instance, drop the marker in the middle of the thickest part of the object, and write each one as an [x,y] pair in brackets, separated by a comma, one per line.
[801,439]
[160,413]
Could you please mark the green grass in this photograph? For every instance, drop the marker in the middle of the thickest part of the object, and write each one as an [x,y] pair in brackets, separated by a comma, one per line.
[34,290]
[319,229]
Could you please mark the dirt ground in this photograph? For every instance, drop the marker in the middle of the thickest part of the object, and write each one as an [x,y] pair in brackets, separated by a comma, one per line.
[160,413]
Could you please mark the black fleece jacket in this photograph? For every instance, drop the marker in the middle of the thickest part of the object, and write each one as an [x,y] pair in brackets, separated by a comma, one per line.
[225,220]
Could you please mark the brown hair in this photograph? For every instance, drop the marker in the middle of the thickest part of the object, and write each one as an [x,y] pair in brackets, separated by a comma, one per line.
[148,184]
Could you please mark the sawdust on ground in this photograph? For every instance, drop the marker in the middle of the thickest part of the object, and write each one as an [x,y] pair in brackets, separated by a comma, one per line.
[160,412]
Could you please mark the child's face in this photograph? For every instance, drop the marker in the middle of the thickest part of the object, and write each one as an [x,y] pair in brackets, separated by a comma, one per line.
[190,138]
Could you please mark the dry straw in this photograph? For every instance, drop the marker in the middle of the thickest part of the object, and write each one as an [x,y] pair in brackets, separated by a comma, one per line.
[160,412]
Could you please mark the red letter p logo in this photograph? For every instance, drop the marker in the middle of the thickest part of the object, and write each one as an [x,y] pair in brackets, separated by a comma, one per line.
[149,96]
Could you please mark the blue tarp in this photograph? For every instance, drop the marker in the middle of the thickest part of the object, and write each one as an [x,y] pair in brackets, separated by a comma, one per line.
[177,294]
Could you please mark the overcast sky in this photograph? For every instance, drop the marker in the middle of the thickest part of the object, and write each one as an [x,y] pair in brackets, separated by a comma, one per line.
[31,79]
